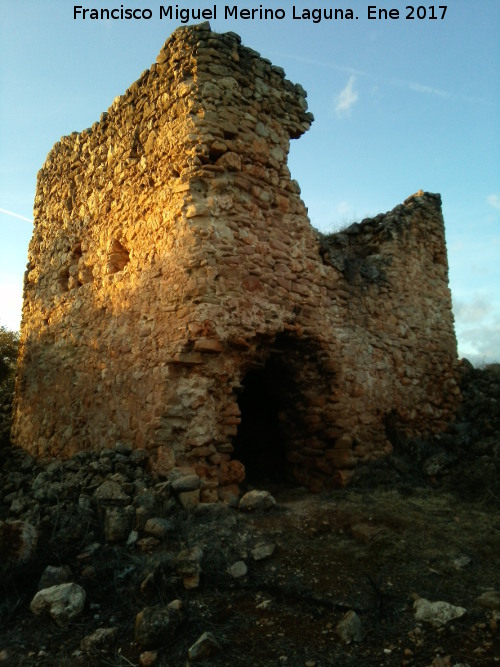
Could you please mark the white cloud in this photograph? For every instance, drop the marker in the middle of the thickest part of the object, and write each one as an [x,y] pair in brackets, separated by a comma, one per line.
[471,311]
[345,209]
[477,324]
[480,345]
[494,201]
[346,98]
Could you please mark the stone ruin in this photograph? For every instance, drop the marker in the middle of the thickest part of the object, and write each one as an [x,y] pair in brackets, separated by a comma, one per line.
[177,298]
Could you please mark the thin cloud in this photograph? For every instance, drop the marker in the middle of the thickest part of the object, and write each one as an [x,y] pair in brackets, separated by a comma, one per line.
[346,98]
[398,83]
[428,90]
[494,201]
[319,63]
[15,215]
[437,92]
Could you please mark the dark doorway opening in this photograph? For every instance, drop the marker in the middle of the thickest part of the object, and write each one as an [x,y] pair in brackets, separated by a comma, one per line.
[260,443]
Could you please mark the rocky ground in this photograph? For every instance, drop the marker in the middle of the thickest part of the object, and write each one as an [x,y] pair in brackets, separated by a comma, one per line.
[102,564]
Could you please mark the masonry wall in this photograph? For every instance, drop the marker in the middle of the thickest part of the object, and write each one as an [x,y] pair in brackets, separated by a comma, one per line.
[172,260]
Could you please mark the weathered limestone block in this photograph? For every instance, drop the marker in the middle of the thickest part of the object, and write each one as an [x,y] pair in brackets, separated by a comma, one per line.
[178,300]
[63,602]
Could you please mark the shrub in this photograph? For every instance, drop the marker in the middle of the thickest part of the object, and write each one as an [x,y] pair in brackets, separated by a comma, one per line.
[9,344]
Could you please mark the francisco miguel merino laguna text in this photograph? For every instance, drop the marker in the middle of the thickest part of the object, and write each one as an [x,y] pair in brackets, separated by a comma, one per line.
[185,14]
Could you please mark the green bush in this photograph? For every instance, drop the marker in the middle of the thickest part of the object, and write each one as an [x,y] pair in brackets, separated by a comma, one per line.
[9,344]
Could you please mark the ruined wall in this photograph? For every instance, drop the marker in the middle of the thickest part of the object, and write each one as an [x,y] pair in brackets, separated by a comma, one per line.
[398,336]
[173,265]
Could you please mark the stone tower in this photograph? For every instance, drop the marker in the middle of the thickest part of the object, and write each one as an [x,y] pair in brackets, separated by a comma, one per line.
[177,298]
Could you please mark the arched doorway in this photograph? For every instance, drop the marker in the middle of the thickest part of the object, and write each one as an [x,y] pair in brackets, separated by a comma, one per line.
[285,426]
[260,442]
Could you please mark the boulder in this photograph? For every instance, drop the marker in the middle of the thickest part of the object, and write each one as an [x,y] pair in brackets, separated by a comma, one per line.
[63,602]
[256,500]
[436,613]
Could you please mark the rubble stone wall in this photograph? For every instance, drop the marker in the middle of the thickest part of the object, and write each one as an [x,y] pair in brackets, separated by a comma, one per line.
[173,259]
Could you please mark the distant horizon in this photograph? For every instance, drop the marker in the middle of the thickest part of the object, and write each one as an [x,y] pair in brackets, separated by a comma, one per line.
[399,105]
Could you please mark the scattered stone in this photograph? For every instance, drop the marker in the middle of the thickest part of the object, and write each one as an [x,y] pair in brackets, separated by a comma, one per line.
[138,457]
[437,613]
[132,538]
[89,551]
[18,540]
[489,600]
[256,500]
[238,569]
[54,575]
[118,522]
[436,463]
[100,640]
[461,561]
[63,602]
[263,550]
[189,499]
[365,532]
[265,604]
[350,628]
[110,492]
[188,565]
[204,647]
[17,506]
[123,448]
[155,626]
[175,605]
[158,527]
[229,495]
[148,658]
[186,483]
[148,544]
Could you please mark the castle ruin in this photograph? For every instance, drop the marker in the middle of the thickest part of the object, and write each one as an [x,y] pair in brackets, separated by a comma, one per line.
[177,298]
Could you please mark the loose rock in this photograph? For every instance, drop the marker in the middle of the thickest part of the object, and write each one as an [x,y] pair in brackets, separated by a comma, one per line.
[350,629]
[489,600]
[256,500]
[204,647]
[188,565]
[18,541]
[238,569]
[158,527]
[148,658]
[118,523]
[263,550]
[100,640]
[63,602]
[54,575]
[110,492]
[437,613]
[186,483]
[155,626]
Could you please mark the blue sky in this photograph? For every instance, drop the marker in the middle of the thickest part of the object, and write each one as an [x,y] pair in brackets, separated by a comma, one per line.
[399,105]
